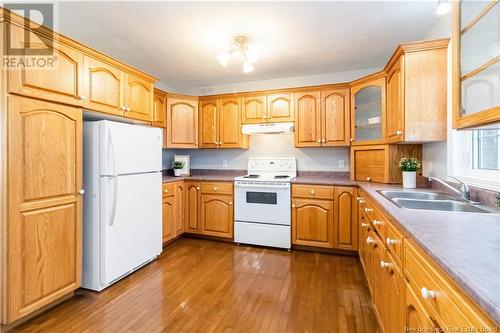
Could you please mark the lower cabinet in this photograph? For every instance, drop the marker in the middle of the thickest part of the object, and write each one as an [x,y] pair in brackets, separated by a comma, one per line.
[193,199]
[173,203]
[324,216]
[168,218]
[179,207]
[217,215]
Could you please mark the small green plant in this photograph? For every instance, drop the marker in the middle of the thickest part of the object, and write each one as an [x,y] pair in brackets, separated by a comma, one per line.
[178,165]
[409,164]
[498,199]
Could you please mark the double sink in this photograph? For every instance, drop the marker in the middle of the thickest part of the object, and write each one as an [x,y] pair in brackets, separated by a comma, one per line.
[432,201]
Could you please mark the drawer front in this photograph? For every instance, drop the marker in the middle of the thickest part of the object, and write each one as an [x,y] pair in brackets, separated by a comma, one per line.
[370,165]
[379,223]
[439,296]
[314,192]
[167,189]
[394,242]
[217,187]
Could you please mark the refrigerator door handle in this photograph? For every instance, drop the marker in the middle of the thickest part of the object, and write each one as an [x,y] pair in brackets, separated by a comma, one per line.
[115,180]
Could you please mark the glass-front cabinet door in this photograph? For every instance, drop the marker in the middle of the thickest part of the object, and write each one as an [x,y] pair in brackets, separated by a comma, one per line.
[476,63]
[368,112]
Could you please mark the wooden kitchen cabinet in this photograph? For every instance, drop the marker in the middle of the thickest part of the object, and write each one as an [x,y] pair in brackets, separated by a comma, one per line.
[220,124]
[378,279]
[193,202]
[312,222]
[104,87]
[168,218]
[217,216]
[380,163]
[63,83]
[322,118]
[44,242]
[416,92]
[395,297]
[368,110]
[182,122]
[416,317]
[159,109]
[139,97]
[345,227]
[179,207]
[272,108]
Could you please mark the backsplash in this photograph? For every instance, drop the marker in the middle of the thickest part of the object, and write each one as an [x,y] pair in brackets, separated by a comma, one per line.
[268,145]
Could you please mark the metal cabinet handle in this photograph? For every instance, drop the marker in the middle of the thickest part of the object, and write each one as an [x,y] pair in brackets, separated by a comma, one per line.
[428,294]
[215,188]
[293,205]
[81,192]
[390,241]
[351,139]
[128,109]
[197,188]
[399,132]
[360,199]
[370,240]
[230,202]
[81,98]
[312,192]
[166,191]
[368,179]
[368,210]
[385,264]
[323,141]
[319,141]
[377,222]
[364,225]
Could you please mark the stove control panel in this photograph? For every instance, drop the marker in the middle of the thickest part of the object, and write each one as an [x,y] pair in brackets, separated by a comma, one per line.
[284,164]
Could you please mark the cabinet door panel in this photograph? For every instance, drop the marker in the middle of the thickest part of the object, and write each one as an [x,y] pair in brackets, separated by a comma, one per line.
[335,117]
[416,316]
[378,279]
[139,95]
[192,221]
[280,108]
[345,216]
[254,110]
[217,215]
[209,128]
[61,82]
[44,238]
[104,87]
[230,123]
[395,111]
[307,120]
[312,222]
[395,311]
[159,110]
[179,206]
[182,123]
[168,218]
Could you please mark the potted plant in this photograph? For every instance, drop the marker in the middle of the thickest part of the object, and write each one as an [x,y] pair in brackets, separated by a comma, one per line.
[409,166]
[177,165]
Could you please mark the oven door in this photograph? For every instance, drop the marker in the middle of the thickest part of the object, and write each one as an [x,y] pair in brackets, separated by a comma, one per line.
[262,204]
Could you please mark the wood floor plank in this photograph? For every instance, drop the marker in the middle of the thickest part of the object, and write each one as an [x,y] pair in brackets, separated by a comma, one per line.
[208,286]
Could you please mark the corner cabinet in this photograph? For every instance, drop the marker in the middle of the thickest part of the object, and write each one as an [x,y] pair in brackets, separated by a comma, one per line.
[44,242]
[159,109]
[368,110]
[220,124]
[416,92]
[182,122]
[476,63]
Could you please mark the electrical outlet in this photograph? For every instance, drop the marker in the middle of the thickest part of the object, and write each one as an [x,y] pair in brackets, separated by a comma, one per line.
[224,163]
[341,164]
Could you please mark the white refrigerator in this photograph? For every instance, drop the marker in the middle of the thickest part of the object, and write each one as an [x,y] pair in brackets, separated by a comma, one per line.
[122,218]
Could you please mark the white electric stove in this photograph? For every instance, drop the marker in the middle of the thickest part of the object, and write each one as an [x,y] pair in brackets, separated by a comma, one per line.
[262,202]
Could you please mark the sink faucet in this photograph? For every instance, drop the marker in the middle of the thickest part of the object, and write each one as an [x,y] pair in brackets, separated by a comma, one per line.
[463,193]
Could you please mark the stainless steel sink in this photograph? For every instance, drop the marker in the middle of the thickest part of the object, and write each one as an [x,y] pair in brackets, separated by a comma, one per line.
[431,201]
[445,205]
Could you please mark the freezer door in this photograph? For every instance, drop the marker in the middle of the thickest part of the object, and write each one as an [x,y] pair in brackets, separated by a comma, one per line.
[127,149]
[131,225]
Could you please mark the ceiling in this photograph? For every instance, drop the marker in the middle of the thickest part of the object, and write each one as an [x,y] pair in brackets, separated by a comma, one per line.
[178,41]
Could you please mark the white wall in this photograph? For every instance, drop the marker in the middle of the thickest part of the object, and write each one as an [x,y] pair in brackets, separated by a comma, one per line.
[268,145]
[434,155]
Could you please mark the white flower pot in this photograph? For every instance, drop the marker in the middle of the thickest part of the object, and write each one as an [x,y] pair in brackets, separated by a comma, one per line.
[177,172]
[409,179]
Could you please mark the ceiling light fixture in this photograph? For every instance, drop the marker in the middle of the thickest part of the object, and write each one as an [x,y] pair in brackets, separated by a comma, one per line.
[240,46]
[443,7]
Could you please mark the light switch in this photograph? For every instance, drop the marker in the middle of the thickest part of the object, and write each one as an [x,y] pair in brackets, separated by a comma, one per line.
[224,163]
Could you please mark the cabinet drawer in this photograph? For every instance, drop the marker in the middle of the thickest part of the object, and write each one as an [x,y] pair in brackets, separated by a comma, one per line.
[370,165]
[379,223]
[444,300]
[217,188]
[308,191]
[167,189]
[394,242]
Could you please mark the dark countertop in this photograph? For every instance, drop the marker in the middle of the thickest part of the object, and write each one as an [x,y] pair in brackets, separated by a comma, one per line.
[465,245]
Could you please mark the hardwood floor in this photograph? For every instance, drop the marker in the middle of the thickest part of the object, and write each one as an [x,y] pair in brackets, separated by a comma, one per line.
[208,286]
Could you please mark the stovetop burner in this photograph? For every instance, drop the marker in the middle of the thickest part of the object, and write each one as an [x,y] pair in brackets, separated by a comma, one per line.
[251,176]
[281,177]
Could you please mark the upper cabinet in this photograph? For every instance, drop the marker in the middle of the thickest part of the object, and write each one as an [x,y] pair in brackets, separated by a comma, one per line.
[273,108]
[416,92]
[159,109]
[476,63]
[139,95]
[182,122]
[322,118]
[220,124]
[368,110]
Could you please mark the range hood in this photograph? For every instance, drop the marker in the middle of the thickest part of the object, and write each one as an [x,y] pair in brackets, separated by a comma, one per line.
[271,128]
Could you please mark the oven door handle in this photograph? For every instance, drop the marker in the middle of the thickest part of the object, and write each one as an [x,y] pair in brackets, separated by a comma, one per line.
[265,186]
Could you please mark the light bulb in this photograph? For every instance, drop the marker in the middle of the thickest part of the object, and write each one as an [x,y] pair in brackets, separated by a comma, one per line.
[252,56]
[443,8]
[224,58]
[247,67]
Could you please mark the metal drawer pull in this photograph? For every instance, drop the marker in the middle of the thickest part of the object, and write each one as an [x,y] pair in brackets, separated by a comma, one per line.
[377,222]
[312,192]
[364,225]
[385,264]
[428,294]
[166,191]
[368,210]
[390,241]
[370,240]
